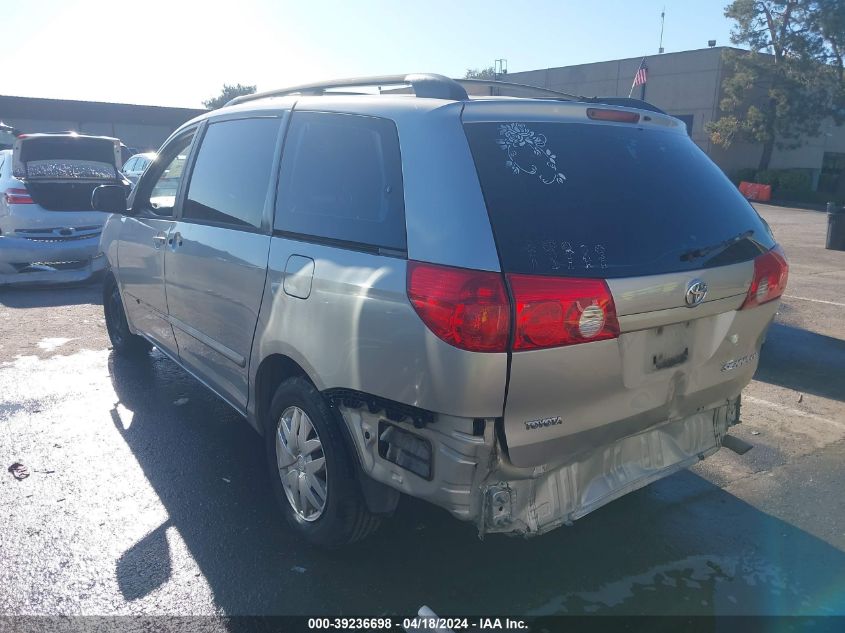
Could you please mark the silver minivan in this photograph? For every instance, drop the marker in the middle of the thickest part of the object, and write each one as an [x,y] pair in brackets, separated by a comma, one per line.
[518,309]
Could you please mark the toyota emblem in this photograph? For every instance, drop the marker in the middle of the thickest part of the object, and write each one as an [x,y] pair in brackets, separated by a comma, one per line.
[696,291]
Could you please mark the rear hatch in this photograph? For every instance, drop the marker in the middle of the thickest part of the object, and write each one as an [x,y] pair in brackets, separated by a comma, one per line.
[628,257]
[60,171]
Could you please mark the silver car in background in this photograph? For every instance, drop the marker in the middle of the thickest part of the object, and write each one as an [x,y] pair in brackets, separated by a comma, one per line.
[48,231]
[518,309]
[136,164]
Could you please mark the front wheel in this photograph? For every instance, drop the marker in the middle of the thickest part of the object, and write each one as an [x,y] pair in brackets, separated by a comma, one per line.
[123,341]
[311,468]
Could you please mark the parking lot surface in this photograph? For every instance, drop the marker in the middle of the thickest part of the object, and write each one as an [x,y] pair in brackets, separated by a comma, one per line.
[147,494]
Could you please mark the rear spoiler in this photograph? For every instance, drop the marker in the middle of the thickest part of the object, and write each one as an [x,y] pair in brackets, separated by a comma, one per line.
[625,102]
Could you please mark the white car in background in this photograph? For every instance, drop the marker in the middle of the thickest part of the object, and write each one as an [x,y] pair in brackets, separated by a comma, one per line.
[48,232]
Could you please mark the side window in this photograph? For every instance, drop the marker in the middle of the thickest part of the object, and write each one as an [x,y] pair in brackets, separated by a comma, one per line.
[162,183]
[341,178]
[130,165]
[231,176]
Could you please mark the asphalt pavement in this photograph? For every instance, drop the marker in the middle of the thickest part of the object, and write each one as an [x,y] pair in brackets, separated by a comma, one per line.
[147,495]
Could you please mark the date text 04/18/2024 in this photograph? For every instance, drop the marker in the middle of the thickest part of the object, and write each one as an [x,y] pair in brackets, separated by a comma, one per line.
[419,623]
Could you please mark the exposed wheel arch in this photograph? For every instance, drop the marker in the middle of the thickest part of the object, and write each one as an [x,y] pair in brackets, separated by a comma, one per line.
[275,369]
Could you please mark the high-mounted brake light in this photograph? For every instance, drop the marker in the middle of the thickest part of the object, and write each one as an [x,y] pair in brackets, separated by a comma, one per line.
[16,195]
[771,272]
[619,116]
[466,308]
[555,311]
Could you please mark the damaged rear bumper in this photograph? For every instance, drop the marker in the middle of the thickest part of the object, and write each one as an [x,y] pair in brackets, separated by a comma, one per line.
[474,480]
[560,495]
[28,261]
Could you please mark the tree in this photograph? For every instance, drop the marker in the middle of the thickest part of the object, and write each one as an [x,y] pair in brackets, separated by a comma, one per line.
[484,73]
[782,88]
[227,94]
[828,20]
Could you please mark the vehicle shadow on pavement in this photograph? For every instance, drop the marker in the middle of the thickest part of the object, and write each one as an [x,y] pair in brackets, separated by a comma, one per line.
[50,296]
[798,359]
[680,546]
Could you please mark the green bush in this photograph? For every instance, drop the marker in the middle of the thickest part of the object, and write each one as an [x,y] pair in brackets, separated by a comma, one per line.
[746,173]
[768,177]
[794,180]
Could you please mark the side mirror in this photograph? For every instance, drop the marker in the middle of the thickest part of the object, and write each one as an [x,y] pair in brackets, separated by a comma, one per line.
[109,198]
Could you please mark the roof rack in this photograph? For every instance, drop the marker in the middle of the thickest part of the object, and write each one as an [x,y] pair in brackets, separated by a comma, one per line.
[423,84]
[438,87]
[539,93]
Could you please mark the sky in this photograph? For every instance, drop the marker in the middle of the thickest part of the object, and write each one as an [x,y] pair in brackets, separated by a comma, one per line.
[179,52]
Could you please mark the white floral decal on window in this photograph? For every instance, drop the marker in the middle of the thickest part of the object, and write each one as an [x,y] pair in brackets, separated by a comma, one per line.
[523,146]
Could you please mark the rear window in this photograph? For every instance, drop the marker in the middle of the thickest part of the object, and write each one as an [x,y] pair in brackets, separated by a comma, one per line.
[591,200]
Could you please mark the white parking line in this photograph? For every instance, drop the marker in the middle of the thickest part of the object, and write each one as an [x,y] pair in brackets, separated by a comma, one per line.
[831,303]
[791,411]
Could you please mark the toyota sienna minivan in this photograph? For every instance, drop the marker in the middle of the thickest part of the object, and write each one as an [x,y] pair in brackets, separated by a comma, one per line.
[518,309]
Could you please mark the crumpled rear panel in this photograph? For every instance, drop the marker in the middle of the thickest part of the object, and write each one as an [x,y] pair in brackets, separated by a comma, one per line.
[574,490]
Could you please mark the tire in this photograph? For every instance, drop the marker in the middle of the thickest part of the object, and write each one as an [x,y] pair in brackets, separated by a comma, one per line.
[338,517]
[123,341]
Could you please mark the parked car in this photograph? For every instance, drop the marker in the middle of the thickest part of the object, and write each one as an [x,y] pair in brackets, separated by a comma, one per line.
[517,309]
[135,166]
[48,231]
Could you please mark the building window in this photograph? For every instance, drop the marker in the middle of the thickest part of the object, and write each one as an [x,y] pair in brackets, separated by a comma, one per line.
[832,177]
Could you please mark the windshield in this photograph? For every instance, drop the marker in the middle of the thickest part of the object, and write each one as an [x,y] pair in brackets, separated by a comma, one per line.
[589,200]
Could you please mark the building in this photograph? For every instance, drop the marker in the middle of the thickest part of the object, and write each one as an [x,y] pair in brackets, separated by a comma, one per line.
[138,126]
[687,85]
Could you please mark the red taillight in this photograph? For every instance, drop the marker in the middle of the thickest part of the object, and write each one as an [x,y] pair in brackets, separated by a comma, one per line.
[554,311]
[18,196]
[466,308]
[619,116]
[770,274]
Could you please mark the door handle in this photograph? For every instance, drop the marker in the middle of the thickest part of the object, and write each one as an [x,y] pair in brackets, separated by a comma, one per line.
[175,239]
[159,239]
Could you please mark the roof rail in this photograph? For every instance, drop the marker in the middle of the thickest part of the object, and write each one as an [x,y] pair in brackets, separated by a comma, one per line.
[540,93]
[439,87]
[423,84]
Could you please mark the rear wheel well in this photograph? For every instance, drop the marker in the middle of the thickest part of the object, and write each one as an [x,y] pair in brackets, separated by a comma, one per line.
[275,369]
[272,371]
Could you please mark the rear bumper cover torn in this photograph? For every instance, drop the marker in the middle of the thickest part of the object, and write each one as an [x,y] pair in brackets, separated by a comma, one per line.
[474,480]
[566,493]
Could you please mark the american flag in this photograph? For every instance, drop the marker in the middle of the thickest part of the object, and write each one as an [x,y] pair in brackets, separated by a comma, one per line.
[640,78]
[642,74]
